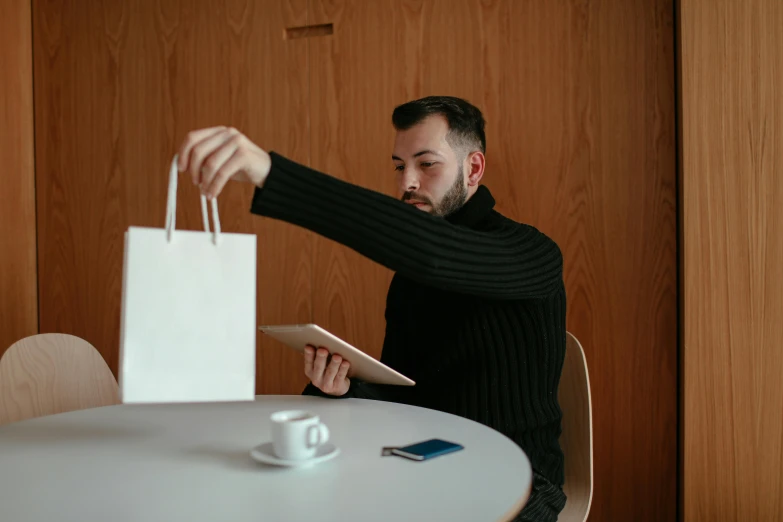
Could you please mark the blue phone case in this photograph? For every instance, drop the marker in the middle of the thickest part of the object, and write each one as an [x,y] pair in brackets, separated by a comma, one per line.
[427,449]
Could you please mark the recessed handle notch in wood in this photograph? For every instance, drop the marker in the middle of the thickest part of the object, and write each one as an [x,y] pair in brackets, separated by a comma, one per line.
[308,31]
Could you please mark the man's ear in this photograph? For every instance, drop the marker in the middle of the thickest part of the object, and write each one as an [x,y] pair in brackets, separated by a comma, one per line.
[476,163]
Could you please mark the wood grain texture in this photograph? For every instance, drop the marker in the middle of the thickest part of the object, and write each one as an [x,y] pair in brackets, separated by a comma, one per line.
[732,197]
[117,89]
[579,101]
[352,94]
[46,374]
[18,291]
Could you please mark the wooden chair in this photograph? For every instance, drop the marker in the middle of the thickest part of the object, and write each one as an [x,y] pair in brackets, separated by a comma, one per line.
[53,373]
[576,439]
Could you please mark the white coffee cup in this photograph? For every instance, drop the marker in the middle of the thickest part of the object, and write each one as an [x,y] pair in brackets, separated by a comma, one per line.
[296,434]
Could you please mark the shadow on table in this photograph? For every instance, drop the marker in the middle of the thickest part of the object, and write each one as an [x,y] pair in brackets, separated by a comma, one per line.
[233,458]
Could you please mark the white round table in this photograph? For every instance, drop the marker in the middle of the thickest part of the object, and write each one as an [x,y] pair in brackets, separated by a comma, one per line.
[192,462]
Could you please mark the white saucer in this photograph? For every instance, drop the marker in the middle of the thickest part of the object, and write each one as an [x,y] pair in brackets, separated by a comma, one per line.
[265,453]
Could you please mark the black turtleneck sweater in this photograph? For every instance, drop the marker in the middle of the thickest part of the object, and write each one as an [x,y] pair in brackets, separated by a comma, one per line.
[475,313]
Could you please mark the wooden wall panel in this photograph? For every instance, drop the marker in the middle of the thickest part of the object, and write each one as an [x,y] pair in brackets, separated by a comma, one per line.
[117,88]
[18,295]
[732,208]
[579,99]
[353,90]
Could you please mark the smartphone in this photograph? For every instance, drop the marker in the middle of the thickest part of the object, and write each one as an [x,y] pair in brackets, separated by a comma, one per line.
[427,449]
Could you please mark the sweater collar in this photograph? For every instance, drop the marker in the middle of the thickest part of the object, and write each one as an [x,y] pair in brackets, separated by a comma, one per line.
[475,209]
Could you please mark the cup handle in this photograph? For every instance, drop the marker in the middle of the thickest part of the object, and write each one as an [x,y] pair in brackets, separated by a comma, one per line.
[317,434]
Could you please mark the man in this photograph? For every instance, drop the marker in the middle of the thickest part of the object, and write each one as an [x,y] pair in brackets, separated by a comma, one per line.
[476,310]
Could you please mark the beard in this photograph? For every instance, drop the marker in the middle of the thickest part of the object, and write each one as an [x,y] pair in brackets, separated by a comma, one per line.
[452,201]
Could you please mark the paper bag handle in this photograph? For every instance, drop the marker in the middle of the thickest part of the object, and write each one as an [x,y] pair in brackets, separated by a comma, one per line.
[171,207]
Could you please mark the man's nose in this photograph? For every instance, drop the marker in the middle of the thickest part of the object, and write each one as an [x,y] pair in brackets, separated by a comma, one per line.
[410,180]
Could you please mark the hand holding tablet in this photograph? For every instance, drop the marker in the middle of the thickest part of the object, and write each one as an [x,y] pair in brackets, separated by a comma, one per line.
[364,367]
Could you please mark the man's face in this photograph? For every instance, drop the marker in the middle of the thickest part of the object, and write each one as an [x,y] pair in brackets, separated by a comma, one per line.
[430,173]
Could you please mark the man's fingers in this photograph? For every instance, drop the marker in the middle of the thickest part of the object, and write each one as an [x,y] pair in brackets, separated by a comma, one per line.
[309,358]
[215,161]
[327,374]
[202,151]
[234,164]
[319,365]
[193,137]
[331,371]
[342,373]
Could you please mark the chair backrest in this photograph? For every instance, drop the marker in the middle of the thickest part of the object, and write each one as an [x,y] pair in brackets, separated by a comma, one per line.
[576,439]
[53,373]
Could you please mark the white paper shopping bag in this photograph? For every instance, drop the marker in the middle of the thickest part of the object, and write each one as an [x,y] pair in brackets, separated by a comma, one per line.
[188,324]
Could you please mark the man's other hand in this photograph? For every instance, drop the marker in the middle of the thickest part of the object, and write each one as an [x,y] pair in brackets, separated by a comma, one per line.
[329,376]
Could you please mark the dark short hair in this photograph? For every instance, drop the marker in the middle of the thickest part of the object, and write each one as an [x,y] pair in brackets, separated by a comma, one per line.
[466,123]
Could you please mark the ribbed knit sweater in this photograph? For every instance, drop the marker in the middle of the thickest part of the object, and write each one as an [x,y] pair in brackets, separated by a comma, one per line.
[475,312]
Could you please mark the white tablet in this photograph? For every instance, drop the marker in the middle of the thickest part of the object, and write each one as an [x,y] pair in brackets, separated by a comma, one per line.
[363,367]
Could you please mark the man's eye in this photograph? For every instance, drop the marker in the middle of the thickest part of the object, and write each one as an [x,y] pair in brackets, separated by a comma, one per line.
[399,167]
[427,164]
